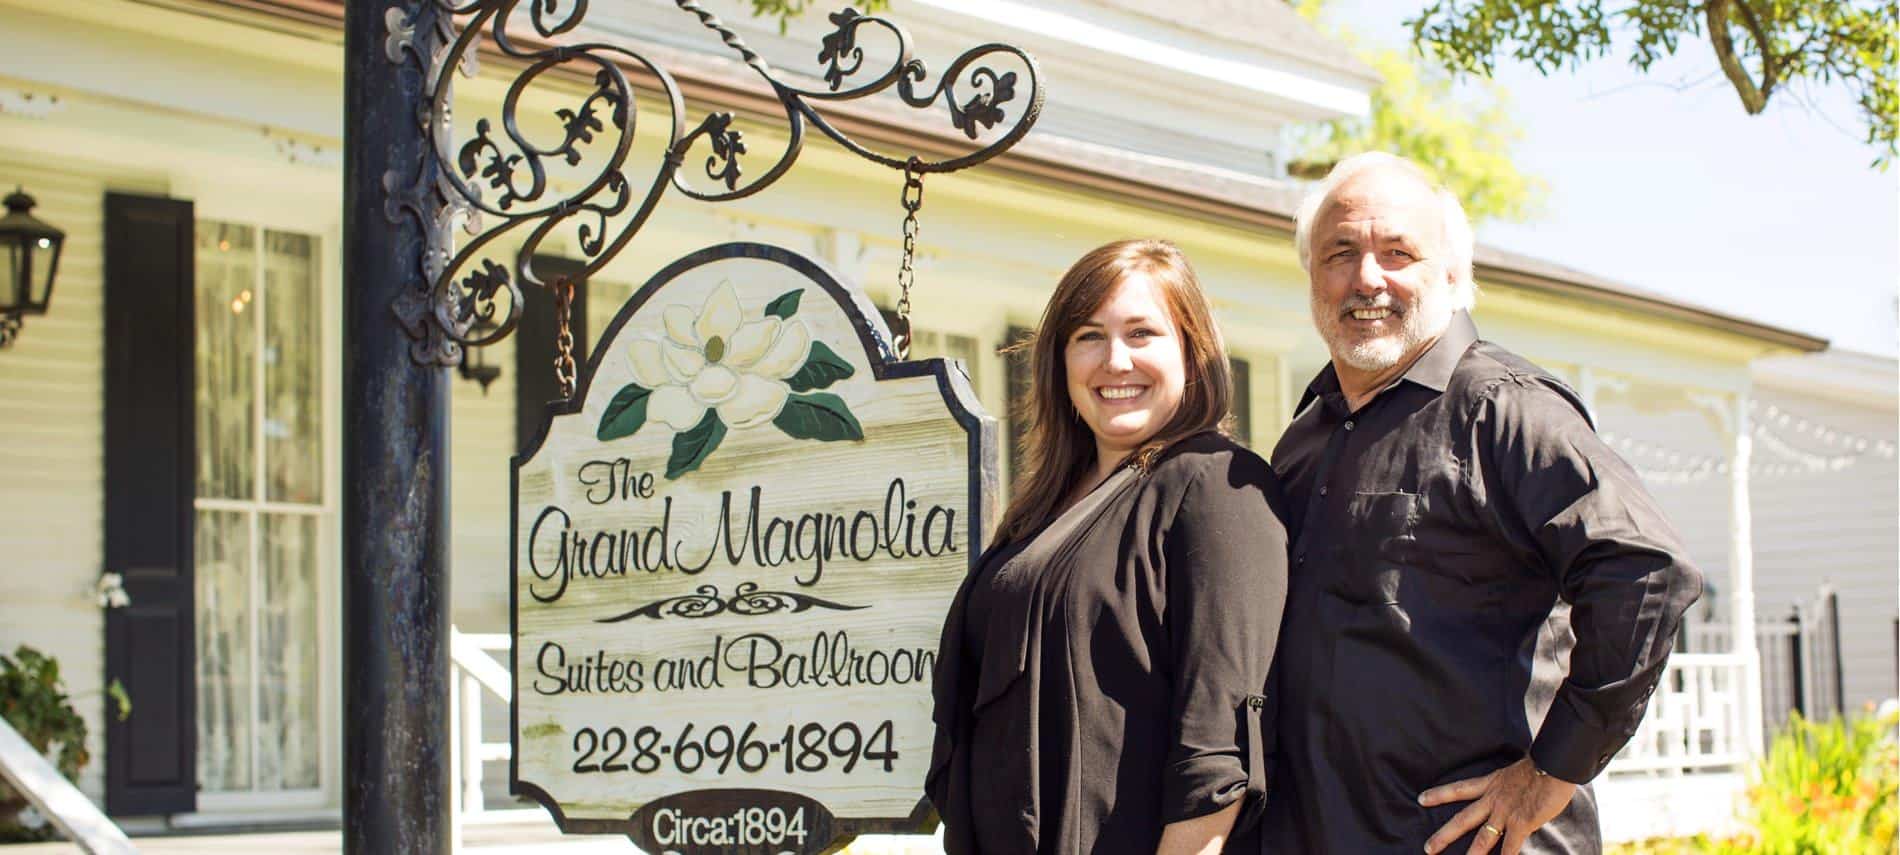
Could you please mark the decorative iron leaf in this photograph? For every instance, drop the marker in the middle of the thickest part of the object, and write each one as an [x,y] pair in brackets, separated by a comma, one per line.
[1005,89]
[727,145]
[985,108]
[691,447]
[471,151]
[841,43]
[821,369]
[785,305]
[821,416]
[626,413]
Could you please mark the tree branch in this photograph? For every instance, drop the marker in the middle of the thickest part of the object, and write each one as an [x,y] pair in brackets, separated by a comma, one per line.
[1753,99]
[1770,60]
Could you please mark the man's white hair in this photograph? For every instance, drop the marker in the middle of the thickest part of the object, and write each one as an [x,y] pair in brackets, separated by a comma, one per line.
[1458,239]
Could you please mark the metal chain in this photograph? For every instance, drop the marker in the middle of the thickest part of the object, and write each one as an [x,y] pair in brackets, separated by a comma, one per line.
[913,199]
[564,339]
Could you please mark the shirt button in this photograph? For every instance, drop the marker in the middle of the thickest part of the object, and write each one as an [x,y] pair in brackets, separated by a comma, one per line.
[1322,491]
[1300,559]
[1349,424]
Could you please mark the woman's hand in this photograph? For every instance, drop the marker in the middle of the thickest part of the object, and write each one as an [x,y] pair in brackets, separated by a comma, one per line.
[1202,834]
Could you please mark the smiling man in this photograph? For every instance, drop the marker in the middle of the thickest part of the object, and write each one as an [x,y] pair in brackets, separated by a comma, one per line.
[1483,594]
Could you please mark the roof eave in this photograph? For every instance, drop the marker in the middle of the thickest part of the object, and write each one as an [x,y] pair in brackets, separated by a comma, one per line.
[731,85]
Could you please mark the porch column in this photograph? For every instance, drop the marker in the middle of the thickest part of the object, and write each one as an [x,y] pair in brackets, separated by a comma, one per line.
[1741,562]
[396,746]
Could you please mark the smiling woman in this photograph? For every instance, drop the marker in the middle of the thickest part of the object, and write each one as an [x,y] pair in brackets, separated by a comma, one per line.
[1124,619]
[1127,296]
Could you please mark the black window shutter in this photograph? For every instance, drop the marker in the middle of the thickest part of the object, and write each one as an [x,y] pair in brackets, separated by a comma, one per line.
[534,337]
[151,757]
[1243,401]
[1016,385]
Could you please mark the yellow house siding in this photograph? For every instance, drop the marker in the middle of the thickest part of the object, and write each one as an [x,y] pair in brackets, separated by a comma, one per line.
[52,391]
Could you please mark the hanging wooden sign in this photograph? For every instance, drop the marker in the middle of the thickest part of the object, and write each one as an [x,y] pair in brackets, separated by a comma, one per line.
[733,551]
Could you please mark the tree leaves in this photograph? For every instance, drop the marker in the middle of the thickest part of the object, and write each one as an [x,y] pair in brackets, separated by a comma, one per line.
[691,447]
[821,416]
[785,305]
[625,413]
[1464,139]
[1762,47]
[821,369]
[786,10]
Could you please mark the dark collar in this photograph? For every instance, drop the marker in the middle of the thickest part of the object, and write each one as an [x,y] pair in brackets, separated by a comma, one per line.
[1433,370]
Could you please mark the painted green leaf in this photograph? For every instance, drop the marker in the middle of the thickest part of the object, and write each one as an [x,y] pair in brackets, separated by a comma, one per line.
[691,447]
[819,415]
[785,305]
[822,368]
[625,413]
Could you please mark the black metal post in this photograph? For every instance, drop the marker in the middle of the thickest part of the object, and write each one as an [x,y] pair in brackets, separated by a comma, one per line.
[1797,654]
[1833,602]
[395,466]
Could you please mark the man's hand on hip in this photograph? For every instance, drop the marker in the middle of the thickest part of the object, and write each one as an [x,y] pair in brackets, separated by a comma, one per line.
[1506,805]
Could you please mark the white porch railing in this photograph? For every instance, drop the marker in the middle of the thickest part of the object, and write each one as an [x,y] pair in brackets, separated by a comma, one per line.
[477,671]
[57,799]
[1694,721]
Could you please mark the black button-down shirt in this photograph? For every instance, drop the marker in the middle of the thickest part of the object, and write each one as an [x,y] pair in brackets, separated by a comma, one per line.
[1476,576]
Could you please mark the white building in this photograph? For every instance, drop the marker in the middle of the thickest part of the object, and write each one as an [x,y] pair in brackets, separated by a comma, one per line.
[1162,123]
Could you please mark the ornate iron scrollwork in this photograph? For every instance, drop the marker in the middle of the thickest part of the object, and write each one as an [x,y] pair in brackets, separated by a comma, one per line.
[501,176]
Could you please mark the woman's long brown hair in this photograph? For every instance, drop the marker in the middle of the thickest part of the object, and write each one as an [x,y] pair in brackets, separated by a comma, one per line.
[1058,448]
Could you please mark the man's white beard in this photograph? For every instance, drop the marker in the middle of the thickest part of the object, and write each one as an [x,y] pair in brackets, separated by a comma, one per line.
[1421,321]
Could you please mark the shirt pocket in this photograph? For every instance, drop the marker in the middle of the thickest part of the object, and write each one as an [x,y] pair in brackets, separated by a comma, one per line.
[1380,540]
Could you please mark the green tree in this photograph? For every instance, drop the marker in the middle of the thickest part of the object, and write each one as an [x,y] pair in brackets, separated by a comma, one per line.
[1465,138]
[1763,47]
[785,10]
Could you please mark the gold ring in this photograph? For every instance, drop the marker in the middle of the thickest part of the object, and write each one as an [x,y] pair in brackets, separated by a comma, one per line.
[1493,829]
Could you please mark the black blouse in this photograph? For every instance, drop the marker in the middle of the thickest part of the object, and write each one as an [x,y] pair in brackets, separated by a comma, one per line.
[1106,677]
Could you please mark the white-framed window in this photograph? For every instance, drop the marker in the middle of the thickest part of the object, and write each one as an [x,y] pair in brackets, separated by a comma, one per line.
[259,509]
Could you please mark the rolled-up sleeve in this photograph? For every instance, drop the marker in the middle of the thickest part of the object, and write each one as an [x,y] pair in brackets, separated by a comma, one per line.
[1226,582]
[1617,562]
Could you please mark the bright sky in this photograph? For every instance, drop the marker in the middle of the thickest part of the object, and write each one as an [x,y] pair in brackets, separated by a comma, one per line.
[1777,217]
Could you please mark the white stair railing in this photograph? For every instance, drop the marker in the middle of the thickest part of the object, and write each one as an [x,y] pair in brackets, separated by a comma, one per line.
[477,671]
[1694,721]
[33,776]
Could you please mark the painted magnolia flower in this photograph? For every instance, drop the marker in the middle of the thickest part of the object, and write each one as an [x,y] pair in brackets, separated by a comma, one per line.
[717,359]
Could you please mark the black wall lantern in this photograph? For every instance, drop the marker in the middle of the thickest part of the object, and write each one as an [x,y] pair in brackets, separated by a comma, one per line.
[474,366]
[30,250]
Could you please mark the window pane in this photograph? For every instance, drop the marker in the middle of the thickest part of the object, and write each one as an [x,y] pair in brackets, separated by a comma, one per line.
[223,588]
[964,348]
[289,735]
[293,370]
[226,363]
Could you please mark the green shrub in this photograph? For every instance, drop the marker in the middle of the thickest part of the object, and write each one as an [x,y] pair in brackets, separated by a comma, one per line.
[34,702]
[1824,788]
